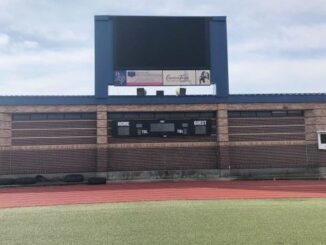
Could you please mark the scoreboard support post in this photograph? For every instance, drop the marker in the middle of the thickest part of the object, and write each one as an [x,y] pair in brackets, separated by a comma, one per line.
[103,55]
[219,55]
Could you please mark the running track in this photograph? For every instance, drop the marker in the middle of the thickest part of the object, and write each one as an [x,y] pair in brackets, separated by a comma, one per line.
[158,191]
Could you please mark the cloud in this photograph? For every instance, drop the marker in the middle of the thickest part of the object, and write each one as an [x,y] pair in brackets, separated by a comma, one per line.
[278,76]
[51,83]
[56,58]
[47,72]
[273,45]
[4,40]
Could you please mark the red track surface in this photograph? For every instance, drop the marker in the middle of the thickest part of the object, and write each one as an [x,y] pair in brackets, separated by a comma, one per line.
[157,191]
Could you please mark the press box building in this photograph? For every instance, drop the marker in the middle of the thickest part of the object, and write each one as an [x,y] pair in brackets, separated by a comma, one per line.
[162,109]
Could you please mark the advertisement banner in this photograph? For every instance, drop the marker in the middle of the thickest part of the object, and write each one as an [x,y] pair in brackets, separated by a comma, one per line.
[179,78]
[203,77]
[159,77]
[144,78]
[120,78]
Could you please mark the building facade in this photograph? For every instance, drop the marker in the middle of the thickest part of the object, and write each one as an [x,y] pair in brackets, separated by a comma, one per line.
[183,136]
[220,139]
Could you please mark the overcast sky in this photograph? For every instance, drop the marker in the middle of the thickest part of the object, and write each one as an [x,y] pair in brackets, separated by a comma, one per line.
[47,46]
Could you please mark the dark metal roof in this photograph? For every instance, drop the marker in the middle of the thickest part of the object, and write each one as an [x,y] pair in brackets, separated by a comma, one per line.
[127,100]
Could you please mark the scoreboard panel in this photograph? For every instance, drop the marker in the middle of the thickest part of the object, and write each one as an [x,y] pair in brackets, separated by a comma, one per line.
[160,51]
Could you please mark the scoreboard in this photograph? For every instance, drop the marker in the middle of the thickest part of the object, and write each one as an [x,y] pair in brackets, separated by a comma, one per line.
[160,51]
[161,128]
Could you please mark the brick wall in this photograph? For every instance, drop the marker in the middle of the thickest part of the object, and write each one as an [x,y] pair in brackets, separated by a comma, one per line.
[48,161]
[171,158]
[267,156]
[237,144]
[5,129]
[315,157]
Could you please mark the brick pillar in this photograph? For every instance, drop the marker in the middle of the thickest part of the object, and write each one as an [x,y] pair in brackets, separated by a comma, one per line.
[5,143]
[314,120]
[102,141]
[5,130]
[311,127]
[223,139]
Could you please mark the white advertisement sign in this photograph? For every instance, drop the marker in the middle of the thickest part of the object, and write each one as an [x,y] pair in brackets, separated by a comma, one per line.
[162,77]
[179,78]
[203,77]
[144,78]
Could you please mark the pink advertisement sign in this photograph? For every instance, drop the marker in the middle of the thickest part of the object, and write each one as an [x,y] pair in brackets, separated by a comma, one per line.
[144,78]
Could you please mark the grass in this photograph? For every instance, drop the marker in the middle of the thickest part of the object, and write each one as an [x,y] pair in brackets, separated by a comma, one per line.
[175,222]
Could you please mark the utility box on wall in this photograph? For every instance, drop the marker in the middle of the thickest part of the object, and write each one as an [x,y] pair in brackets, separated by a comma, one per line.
[321,140]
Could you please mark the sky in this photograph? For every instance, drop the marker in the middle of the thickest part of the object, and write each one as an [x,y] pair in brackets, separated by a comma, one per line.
[47,46]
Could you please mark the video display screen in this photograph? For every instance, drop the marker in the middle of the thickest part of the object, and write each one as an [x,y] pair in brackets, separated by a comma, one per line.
[149,43]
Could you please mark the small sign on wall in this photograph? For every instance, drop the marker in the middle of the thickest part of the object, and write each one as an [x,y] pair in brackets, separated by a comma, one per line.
[120,78]
[321,140]
[144,78]
[203,77]
[179,78]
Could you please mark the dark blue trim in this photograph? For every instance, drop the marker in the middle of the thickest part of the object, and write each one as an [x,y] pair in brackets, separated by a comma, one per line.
[106,17]
[219,55]
[103,55]
[150,100]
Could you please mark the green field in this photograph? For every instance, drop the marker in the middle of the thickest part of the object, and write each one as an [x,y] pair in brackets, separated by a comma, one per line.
[178,222]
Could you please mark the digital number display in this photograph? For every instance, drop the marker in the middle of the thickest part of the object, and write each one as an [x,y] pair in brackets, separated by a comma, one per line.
[162,127]
[123,131]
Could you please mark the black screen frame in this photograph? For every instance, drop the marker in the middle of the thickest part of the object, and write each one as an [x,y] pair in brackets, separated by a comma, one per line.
[178,124]
[135,67]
